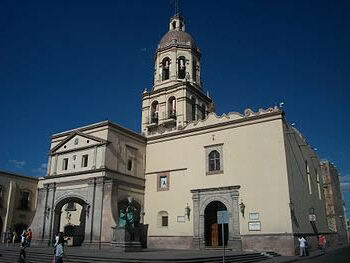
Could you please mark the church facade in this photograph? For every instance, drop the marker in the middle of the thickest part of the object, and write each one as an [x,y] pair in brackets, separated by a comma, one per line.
[187,165]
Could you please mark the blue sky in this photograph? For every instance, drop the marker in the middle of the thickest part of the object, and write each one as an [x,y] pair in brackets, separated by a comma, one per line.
[64,64]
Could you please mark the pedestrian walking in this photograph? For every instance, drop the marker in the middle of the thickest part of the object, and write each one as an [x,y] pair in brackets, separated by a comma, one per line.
[322,243]
[24,238]
[59,249]
[29,237]
[307,247]
[14,237]
[22,255]
[302,242]
[9,237]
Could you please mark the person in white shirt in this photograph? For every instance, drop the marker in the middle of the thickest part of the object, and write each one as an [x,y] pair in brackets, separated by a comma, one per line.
[302,245]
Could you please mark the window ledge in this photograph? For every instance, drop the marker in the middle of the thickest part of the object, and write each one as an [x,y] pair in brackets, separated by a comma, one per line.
[215,172]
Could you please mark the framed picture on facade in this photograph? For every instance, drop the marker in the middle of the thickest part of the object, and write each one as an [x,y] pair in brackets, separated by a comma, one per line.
[254,226]
[253,216]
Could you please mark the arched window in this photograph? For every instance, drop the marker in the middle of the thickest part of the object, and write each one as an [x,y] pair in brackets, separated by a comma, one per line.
[181,68]
[214,161]
[172,108]
[193,108]
[166,68]
[163,219]
[154,112]
[194,70]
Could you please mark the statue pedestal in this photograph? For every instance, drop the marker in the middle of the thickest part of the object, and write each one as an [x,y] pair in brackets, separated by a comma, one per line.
[127,239]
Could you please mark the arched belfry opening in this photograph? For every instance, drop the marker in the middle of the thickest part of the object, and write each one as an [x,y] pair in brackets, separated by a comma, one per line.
[166,68]
[213,231]
[154,112]
[181,67]
[70,219]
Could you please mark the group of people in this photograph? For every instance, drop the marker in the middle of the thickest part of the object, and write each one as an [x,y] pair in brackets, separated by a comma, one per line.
[304,245]
[25,238]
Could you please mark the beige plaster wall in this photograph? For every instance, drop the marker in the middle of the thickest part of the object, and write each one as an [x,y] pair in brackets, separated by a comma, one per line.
[253,158]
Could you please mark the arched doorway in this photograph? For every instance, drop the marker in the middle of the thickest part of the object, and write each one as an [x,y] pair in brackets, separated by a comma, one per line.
[70,218]
[212,230]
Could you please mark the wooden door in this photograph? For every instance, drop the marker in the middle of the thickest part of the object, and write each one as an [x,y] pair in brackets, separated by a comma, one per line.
[214,235]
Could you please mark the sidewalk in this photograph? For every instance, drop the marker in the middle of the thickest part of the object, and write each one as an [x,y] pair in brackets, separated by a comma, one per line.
[312,255]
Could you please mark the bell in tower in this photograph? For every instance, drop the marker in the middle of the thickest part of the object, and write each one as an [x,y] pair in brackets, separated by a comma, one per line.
[176,97]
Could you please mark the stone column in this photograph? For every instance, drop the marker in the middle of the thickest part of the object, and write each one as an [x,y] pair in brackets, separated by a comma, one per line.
[103,156]
[10,206]
[48,172]
[90,208]
[201,230]
[94,158]
[50,212]
[234,236]
[96,227]
[55,165]
[107,221]
[196,223]
[39,220]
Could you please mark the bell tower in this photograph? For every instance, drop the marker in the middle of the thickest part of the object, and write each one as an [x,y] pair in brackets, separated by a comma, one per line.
[176,97]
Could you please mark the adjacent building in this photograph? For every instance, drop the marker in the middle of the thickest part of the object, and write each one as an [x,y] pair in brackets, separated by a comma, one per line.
[18,196]
[334,202]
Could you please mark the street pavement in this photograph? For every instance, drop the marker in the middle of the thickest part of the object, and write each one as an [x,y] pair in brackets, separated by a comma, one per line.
[341,255]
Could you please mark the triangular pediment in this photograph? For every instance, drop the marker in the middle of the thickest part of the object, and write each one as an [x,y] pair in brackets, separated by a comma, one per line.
[77,140]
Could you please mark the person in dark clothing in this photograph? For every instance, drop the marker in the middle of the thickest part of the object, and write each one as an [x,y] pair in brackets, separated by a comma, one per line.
[22,255]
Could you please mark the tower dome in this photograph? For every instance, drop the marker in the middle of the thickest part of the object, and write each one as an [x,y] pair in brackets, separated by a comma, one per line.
[176,36]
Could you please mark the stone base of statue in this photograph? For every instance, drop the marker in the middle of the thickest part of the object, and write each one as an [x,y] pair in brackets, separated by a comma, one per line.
[128,239]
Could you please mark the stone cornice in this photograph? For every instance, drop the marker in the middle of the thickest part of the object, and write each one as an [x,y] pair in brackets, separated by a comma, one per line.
[183,85]
[105,169]
[102,124]
[51,153]
[79,133]
[224,188]
[164,171]
[10,174]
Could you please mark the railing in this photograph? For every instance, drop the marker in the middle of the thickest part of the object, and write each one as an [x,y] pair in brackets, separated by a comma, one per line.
[154,118]
[172,114]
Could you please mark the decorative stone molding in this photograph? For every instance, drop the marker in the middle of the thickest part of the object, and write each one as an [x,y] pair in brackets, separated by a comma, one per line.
[229,196]
[212,118]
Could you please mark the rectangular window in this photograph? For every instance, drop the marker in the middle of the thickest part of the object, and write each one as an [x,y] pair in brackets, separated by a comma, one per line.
[129,165]
[318,185]
[65,164]
[214,159]
[163,181]
[24,202]
[164,220]
[308,176]
[84,160]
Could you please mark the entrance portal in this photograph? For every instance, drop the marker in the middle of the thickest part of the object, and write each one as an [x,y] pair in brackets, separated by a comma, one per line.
[70,219]
[213,231]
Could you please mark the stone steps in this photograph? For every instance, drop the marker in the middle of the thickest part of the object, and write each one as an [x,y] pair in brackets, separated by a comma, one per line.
[42,255]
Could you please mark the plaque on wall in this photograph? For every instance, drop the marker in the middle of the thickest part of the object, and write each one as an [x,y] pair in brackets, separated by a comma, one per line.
[253,216]
[254,226]
[181,219]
